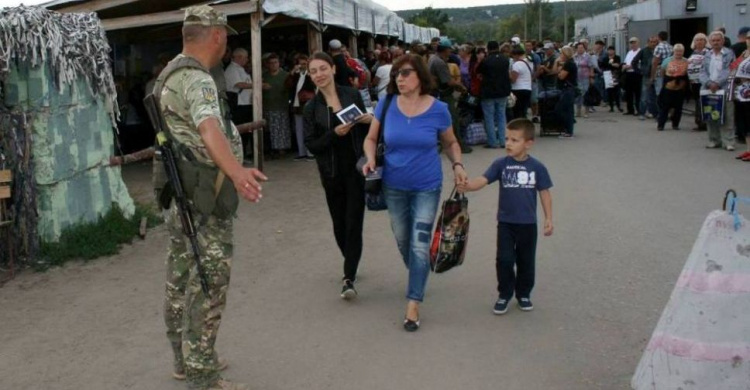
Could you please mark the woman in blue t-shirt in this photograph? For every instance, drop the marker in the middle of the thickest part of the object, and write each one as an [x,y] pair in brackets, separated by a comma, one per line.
[412,175]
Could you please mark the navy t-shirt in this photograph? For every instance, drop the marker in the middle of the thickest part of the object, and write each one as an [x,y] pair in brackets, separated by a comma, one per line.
[412,162]
[519,183]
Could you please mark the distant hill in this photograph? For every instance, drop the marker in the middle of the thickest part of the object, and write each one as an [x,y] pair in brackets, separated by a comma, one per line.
[487,21]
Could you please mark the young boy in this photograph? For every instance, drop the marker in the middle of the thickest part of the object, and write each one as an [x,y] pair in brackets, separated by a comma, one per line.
[521,177]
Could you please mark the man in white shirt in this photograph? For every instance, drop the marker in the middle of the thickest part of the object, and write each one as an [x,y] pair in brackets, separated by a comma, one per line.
[633,78]
[239,91]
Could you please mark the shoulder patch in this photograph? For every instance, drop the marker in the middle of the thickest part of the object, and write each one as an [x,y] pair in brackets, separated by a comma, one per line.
[209,94]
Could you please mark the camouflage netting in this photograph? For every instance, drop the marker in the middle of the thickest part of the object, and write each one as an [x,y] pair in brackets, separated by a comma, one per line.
[57,111]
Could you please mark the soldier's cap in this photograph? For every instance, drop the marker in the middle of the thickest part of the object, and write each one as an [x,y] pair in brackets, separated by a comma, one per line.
[203,15]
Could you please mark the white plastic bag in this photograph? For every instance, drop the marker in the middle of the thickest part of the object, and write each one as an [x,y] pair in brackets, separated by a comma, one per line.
[702,340]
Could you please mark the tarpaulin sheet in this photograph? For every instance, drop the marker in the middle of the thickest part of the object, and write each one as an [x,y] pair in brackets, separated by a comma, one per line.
[360,15]
[72,140]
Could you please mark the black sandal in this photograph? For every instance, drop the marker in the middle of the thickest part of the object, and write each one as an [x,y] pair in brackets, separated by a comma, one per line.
[411,326]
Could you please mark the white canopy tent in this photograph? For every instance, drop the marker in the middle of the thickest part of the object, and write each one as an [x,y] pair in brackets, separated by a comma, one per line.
[356,15]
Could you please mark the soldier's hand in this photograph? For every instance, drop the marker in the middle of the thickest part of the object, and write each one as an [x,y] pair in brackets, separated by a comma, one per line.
[247,183]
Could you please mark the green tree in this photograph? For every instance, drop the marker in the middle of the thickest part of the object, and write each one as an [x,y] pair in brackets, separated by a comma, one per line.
[533,7]
[508,27]
[430,17]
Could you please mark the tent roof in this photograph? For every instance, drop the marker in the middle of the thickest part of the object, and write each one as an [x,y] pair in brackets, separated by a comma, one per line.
[357,15]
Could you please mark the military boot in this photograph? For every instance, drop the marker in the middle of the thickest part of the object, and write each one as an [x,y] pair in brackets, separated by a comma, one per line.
[223,384]
[179,362]
[179,372]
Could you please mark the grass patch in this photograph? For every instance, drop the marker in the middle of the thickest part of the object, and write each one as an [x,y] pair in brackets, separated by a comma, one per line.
[91,240]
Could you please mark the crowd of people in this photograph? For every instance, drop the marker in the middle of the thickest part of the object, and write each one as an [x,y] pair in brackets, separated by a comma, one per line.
[548,82]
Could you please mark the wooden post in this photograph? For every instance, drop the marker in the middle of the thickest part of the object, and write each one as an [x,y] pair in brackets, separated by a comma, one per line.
[314,39]
[353,45]
[256,18]
[370,42]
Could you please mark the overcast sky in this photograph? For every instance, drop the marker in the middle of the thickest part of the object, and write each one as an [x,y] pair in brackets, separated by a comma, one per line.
[13,3]
[394,5]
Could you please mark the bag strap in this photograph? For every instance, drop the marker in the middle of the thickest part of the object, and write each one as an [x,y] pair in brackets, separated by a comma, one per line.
[386,105]
[456,195]
[380,149]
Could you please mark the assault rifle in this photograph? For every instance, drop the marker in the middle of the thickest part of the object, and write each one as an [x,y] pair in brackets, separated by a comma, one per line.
[174,188]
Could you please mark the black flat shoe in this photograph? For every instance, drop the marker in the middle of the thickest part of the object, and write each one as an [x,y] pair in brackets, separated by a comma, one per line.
[411,326]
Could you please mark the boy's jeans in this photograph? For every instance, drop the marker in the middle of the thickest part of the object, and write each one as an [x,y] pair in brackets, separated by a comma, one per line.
[412,216]
[516,246]
[494,120]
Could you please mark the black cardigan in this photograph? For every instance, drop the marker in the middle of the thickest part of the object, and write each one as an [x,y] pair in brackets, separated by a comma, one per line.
[319,134]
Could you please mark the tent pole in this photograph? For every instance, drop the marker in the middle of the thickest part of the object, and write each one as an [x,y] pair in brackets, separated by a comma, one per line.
[256,19]
[314,39]
[353,49]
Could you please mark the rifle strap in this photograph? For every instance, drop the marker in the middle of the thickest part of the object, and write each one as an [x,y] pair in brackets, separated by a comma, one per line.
[218,76]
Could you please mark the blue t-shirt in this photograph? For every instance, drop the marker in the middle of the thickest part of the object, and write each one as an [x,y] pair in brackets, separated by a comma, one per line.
[519,183]
[412,161]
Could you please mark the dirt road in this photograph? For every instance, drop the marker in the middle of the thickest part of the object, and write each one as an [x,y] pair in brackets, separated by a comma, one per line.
[628,203]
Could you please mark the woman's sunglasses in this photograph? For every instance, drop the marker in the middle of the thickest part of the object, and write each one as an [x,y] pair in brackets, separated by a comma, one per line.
[403,72]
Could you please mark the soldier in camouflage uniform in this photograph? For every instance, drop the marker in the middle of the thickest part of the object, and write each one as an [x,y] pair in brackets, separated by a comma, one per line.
[194,115]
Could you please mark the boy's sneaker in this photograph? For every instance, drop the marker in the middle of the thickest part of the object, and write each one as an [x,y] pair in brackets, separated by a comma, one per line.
[501,306]
[347,291]
[525,304]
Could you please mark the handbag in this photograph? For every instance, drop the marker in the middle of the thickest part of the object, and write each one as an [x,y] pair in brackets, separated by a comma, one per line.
[592,97]
[511,100]
[475,134]
[451,234]
[374,197]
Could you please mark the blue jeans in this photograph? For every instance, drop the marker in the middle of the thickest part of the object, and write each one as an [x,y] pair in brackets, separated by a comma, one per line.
[412,216]
[599,84]
[658,85]
[494,118]
[583,84]
[648,98]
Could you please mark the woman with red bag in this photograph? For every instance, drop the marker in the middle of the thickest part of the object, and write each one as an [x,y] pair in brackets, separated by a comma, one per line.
[412,171]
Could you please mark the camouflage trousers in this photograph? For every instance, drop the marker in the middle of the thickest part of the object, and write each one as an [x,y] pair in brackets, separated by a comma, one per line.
[192,319]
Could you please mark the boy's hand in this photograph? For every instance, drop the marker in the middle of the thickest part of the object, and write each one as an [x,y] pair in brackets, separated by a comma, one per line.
[548,228]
